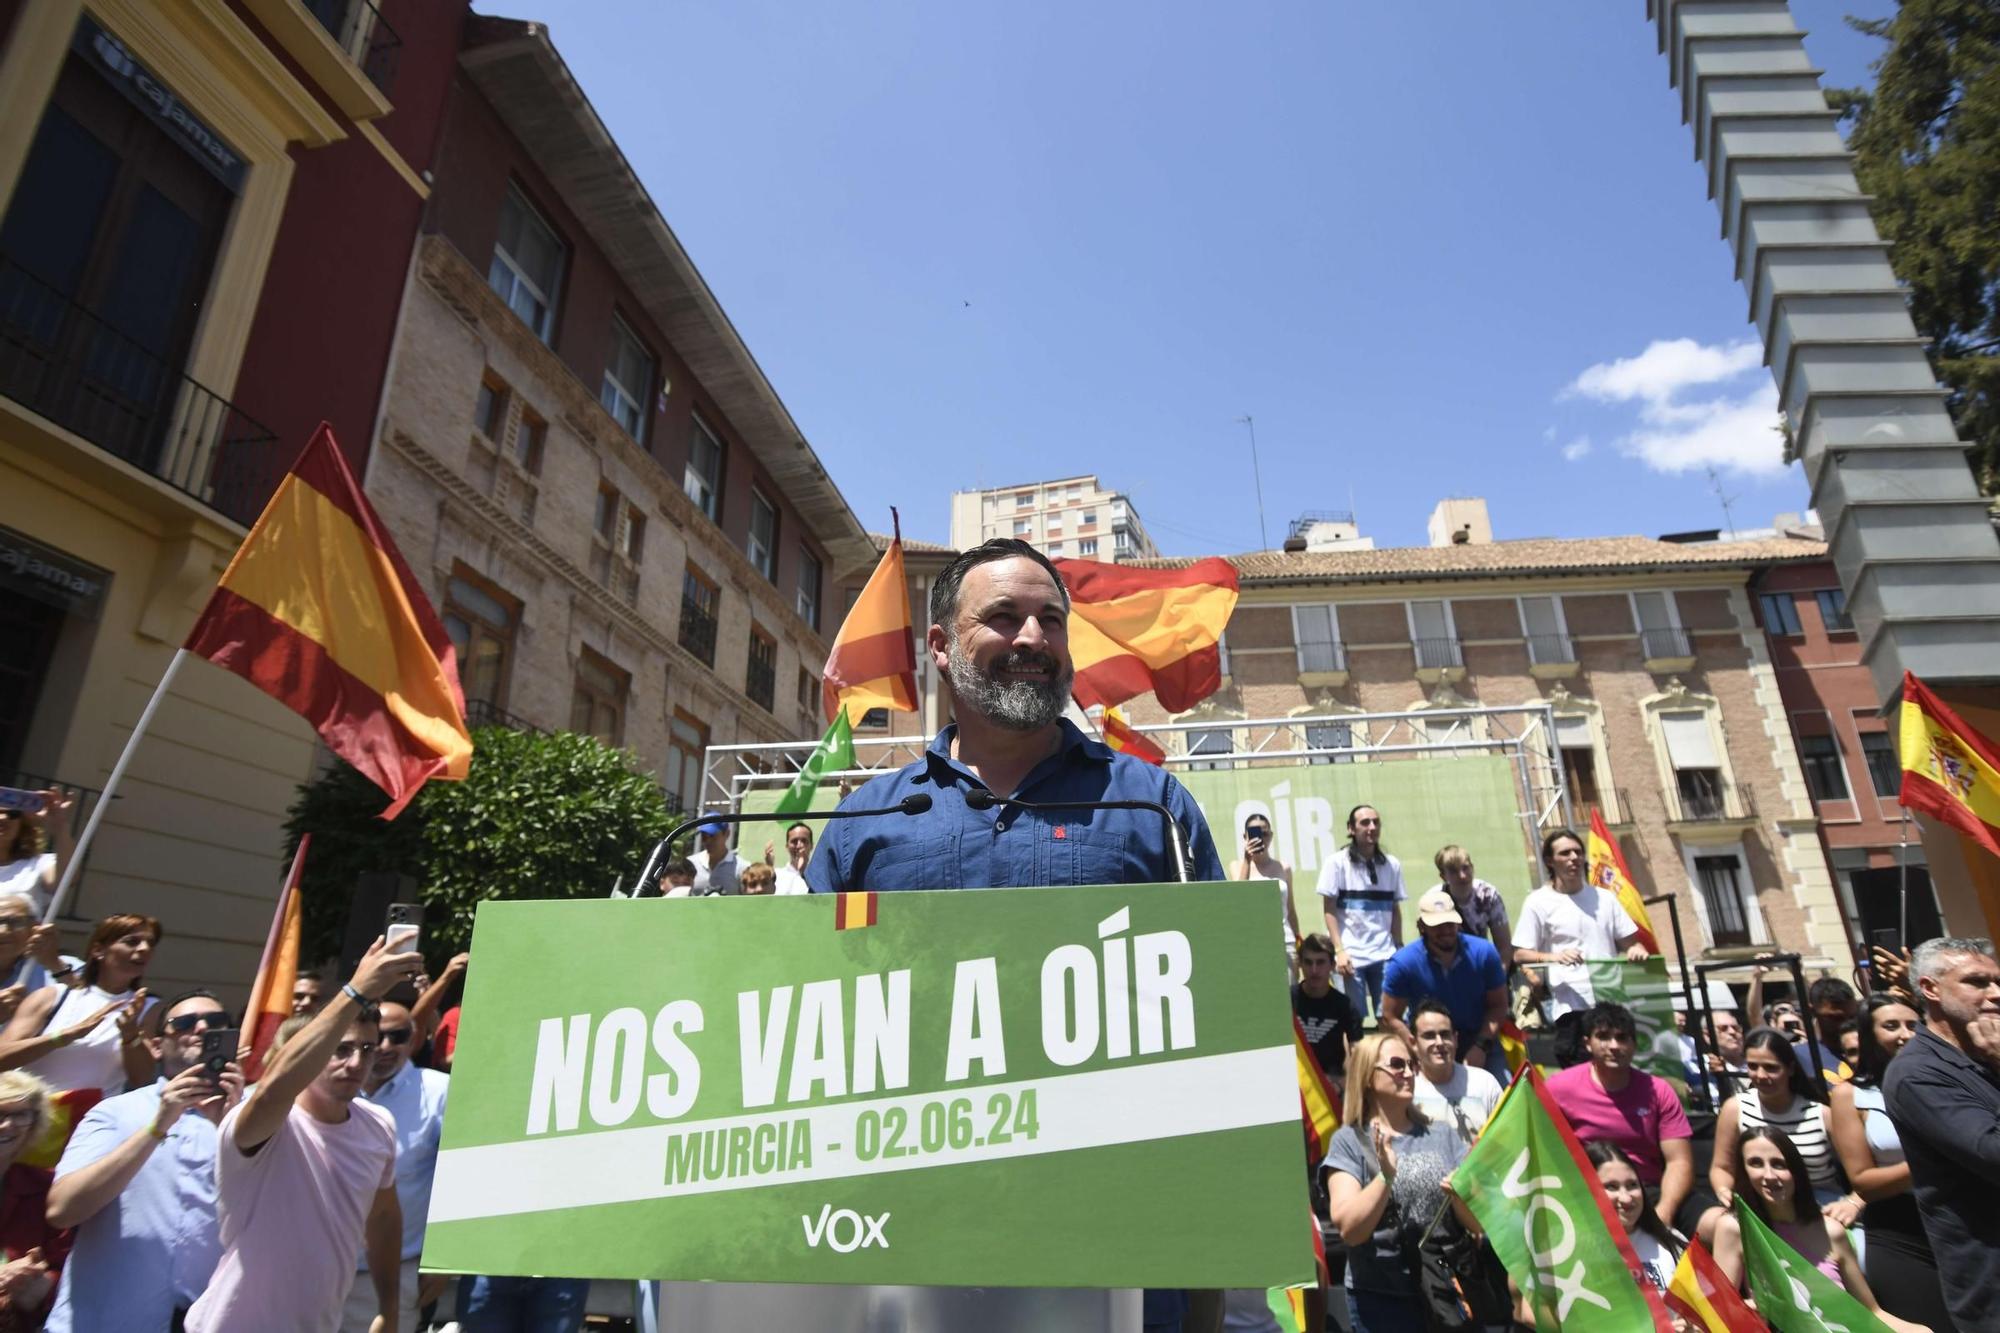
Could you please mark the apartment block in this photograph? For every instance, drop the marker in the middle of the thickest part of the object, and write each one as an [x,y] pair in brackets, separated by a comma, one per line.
[1071,516]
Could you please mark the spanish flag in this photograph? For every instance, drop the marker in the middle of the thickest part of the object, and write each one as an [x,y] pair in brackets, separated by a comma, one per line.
[1514,1047]
[1705,1298]
[319,611]
[854,910]
[874,659]
[1317,1105]
[1950,771]
[1605,867]
[278,971]
[1137,630]
[1118,734]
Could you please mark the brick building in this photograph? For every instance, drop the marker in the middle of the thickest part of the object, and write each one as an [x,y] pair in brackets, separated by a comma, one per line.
[1668,710]
[621,524]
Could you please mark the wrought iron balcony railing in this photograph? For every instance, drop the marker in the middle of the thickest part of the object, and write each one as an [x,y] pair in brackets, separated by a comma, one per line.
[479,713]
[1670,642]
[1551,650]
[1436,653]
[364,34]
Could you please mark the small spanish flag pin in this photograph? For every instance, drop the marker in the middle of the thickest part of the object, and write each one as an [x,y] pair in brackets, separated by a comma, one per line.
[853,911]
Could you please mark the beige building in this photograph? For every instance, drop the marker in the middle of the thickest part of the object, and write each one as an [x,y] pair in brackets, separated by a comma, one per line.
[1666,704]
[1069,517]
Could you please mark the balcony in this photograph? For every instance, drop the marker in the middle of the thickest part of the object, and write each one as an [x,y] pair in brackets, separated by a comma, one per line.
[1439,659]
[343,46]
[760,680]
[480,713]
[1699,798]
[698,631]
[364,34]
[63,362]
[1322,663]
[1551,656]
[1667,650]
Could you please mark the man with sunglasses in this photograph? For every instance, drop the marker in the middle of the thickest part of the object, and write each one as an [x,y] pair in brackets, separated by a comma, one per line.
[414,1097]
[306,1174]
[137,1181]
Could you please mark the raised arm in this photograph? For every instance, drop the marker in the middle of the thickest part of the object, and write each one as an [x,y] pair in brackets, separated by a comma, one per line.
[26,1038]
[432,1000]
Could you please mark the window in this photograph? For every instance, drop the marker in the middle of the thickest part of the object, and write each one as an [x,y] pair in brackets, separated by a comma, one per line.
[1212,741]
[760,678]
[1024,527]
[700,605]
[1055,525]
[703,482]
[480,619]
[1430,630]
[687,739]
[1833,610]
[808,692]
[1088,519]
[1330,736]
[1579,761]
[528,444]
[1885,770]
[628,378]
[1088,546]
[527,264]
[1121,541]
[1548,638]
[1721,879]
[877,718]
[597,704]
[763,544]
[809,581]
[1024,500]
[1781,613]
[1697,768]
[489,411]
[1660,633]
[1825,778]
[1316,632]
[604,521]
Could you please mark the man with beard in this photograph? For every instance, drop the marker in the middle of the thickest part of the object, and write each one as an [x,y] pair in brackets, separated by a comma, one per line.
[999,632]
[1943,1093]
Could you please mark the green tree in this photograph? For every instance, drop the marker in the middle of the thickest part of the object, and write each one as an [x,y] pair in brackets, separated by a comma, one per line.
[1926,140]
[538,816]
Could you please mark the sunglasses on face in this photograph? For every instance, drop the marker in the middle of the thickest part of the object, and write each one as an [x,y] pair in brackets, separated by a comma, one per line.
[1395,1066]
[207,1018]
[396,1036]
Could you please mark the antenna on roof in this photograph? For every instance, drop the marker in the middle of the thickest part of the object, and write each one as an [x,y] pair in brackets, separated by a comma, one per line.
[1726,500]
[1257,475]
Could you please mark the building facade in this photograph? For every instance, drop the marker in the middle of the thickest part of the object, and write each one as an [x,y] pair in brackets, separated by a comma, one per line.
[208,212]
[1070,516]
[623,528]
[1667,707]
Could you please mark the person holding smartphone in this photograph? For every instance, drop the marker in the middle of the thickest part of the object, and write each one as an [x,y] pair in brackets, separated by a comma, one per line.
[1258,863]
[35,841]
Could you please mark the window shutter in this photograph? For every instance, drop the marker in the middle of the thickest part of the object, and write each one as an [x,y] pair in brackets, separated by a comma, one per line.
[1573,733]
[1689,742]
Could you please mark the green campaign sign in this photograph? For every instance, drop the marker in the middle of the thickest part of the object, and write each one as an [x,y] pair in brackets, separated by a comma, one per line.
[1088,1087]
[1646,990]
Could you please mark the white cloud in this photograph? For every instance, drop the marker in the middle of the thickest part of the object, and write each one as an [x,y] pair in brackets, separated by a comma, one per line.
[1733,430]
[1576,448]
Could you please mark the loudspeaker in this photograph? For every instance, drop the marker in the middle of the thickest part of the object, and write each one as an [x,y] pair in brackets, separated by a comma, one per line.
[368,913]
[1877,897]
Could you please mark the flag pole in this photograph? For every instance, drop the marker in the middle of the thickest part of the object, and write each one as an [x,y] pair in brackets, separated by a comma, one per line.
[76,855]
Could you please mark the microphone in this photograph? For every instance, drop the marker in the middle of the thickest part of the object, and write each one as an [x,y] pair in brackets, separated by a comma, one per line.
[979,798]
[914,804]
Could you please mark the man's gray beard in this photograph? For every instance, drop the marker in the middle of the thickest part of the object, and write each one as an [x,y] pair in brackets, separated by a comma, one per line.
[1017,705]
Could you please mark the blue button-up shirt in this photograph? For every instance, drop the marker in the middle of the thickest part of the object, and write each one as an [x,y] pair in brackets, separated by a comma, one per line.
[952,846]
[415,1098]
[153,1248]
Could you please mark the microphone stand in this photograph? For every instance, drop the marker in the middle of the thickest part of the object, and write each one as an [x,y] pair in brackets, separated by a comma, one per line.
[979,798]
[910,805]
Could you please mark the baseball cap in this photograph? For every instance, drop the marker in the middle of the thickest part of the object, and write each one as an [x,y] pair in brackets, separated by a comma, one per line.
[711,825]
[1436,908]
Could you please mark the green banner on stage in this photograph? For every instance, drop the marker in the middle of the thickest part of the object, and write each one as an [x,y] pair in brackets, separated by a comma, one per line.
[1648,992]
[1087,1087]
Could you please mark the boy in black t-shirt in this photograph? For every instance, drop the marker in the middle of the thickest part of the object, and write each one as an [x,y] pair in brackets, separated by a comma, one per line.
[1330,1022]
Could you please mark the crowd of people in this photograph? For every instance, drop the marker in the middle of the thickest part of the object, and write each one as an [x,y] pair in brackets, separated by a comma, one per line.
[1863,1131]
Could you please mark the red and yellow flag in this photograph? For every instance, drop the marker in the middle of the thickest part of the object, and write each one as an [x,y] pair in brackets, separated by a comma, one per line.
[874,659]
[1514,1046]
[854,910]
[1137,630]
[1119,735]
[1700,1294]
[1318,1107]
[1605,867]
[277,972]
[1950,771]
[319,611]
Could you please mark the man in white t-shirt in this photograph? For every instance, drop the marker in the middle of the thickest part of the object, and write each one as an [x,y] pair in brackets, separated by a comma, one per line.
[306,1174]
[1363,889]
[716,864]
[1449,1091]
[1567,921]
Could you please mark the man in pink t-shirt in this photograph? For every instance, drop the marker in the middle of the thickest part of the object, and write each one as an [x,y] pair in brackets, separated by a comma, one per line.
[305,1173]
[1638,1114]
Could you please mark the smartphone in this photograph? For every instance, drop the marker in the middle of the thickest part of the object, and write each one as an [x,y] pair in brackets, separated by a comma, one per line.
[218,1048]
[405,925]
[1890,939]
[27,802]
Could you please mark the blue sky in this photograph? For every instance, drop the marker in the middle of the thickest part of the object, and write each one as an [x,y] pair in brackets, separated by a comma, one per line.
[1434,249]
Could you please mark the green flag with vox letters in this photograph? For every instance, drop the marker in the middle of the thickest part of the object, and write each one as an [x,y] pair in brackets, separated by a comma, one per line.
[1537,1197]
[1792,1295]
[1081,1086]
[1647,990]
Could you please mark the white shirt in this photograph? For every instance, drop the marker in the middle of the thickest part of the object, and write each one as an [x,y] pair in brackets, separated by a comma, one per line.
[791,881]
[1589,920]
[25,878]
[415,1099]
[1474,1093]
[1367,902]
[722,879]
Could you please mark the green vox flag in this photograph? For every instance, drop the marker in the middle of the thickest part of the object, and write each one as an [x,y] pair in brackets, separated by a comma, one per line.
[1645,989]
[835,752]
[1791,1294]
[1090,1086]
[1537,1196]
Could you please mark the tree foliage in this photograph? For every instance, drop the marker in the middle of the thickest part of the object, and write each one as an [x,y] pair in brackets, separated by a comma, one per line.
[1926,141]
[538,816]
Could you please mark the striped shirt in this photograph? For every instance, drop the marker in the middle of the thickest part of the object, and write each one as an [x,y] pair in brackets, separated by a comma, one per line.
[1365,893]
[1803,1124]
